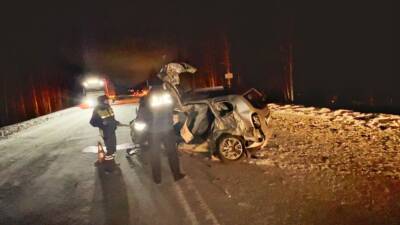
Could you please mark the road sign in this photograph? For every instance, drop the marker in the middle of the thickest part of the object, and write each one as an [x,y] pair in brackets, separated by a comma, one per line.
[229,76]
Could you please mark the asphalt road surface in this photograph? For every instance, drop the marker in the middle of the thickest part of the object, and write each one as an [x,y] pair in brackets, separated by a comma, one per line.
[47,178]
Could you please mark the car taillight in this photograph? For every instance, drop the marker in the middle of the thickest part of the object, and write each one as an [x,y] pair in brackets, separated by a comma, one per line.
[256,120]
[267,119]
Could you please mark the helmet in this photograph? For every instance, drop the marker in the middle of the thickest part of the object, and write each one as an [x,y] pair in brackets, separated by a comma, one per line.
[102,99]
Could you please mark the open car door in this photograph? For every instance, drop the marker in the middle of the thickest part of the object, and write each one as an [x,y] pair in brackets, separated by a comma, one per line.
[170,75]
[198,123]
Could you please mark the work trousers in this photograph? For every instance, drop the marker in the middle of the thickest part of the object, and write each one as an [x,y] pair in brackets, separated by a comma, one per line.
[110,139]
[168,140]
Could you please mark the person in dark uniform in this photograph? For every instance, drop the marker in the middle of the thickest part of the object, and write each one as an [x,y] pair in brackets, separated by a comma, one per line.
[103,118]
[157,112]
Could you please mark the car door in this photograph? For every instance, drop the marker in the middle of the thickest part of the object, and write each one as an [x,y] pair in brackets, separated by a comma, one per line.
[225,115]
[199,119]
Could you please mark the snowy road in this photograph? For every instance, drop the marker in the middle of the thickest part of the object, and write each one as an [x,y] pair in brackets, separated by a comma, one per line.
[46,177]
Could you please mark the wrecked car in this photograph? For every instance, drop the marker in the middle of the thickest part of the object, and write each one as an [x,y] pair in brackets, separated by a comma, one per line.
[230,126]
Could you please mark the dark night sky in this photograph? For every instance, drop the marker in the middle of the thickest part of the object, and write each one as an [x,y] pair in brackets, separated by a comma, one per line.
[339,47]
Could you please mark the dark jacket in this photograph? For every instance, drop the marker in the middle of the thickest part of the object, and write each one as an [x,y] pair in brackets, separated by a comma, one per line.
[158,120]
[103,118]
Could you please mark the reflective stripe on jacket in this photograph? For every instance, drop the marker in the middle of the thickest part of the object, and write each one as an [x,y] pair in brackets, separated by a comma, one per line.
[103,118]
[105,113]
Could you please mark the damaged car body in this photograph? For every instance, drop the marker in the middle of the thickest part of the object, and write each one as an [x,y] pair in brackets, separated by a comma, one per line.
[230,126]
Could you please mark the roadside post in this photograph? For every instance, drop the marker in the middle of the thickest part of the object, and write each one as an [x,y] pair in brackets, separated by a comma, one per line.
[229,77]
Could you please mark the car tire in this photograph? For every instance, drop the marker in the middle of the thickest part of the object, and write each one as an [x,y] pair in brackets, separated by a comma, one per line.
[231,148]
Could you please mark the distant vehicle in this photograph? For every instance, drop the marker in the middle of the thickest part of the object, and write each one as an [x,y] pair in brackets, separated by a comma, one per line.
[94,87]
[138,93]
[234,125]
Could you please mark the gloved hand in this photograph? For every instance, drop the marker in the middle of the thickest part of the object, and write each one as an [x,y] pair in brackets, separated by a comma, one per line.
[175,119]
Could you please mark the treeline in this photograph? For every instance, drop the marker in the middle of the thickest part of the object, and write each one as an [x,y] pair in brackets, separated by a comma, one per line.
[26,96]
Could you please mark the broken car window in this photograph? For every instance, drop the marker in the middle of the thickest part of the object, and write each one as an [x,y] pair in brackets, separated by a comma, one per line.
[224,108]
[256,98]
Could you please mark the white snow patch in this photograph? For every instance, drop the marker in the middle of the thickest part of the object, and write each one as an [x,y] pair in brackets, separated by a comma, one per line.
[265,162]
[93,149]
[379,121]
[15,128]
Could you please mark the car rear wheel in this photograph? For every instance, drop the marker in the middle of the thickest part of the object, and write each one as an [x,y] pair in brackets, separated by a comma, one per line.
[231,148]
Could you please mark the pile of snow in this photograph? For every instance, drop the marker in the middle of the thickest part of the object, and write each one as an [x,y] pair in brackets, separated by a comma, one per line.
[308,139]
[371,120]
[11,129]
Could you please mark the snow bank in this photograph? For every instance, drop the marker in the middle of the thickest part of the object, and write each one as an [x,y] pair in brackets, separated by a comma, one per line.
[309,139]
[11,129]
[371,120]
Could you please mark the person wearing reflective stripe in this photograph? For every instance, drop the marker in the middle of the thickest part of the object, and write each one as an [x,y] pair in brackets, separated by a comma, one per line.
[103,118]
[157,113]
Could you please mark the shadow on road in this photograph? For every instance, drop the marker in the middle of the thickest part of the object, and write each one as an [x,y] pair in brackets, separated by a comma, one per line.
[114,196]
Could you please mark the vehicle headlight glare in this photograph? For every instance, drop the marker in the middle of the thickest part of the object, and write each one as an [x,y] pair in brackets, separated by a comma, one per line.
[90,102]
[139,126]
